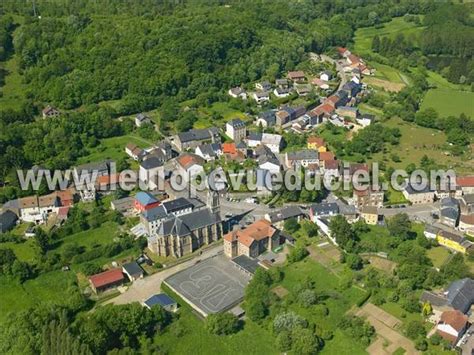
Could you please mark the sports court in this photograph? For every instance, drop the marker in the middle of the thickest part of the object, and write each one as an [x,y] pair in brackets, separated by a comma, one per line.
[211,286]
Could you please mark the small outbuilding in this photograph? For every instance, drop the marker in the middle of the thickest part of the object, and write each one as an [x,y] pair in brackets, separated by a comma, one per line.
[162,300]
[133,271]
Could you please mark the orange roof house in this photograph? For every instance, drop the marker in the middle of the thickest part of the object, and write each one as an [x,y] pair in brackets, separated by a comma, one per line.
[452,325]
[229,148]
[251,241]
[465,181]
[325,156]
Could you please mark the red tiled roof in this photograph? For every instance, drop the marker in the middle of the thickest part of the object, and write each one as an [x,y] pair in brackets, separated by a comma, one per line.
[317,140]
[331,100]
[325,156]
[327,108]
[331,164]
[105,180]
[258,230]
[455,319]
[229,148]
[106,278]
[465,181]
[467,219]
[186,160]
[341,50]
[296,74]
[354,59]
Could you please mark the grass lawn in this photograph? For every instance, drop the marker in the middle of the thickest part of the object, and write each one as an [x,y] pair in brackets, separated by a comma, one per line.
[13,92]
[395,197]
[438,255]
[363,36]
[449,102]
[47,288]
[341,344]
[113,148]
[26,251]
[416,142]
[220,110]
[397,311]
[92,237]
[188,335]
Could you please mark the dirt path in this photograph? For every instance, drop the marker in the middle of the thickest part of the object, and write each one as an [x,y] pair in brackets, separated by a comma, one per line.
[385,325]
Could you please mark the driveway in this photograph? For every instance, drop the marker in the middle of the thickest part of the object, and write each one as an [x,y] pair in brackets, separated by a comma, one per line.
[142,289]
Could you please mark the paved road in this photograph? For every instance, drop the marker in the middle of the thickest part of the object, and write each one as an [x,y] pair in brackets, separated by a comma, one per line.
[142,289]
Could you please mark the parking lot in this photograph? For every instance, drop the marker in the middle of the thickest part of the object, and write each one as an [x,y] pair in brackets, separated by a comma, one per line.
[211,286]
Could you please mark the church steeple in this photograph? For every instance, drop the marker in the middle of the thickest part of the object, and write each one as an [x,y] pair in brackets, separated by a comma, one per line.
[213,201]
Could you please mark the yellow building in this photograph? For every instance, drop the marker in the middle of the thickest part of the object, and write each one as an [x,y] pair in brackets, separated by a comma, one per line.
[317,143]
[453,241]
[370,215]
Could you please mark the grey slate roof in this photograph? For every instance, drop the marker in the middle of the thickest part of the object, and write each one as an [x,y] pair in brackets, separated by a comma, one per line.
[210,149]
[449,202]
[160,299]
[154,214]
[461,294]
[198,134]
[254,136]
[468,198]
[305,154]
[269,117]
[246,263]
[411,190]
[180,203]
[285,213]
[236,123]
[7,221]
[181,226]
[321,209]
[151,163]
[450,213]
[433,299]
[133,268]
[100,167]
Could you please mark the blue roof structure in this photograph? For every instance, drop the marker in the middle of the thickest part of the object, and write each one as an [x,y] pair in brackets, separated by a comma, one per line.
[145,198]
[160,299]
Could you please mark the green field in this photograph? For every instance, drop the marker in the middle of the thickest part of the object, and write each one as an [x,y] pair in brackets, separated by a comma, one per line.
[363,36]
[113,148]
[448,102]
[221,110]
[46,288]
[438,256]
[13,92]
[417,141]
[188,335]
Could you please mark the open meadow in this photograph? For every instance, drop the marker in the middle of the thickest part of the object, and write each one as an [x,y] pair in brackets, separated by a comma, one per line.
[449,102]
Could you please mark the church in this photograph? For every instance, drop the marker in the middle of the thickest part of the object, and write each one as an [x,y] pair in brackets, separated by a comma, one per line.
[179,235]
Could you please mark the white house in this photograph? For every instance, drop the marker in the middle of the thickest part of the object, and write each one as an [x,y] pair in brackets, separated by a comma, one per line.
[365,119]
[272,141]
[325,75]
[281,92]
[238,92]
[209,151]
[263,86]
[323,224]
[235,129]
[452,325]
[261,96]
[301,158]
[269,163]
[36,209]
[190,164]
[150,171]
[134,152]
[142,119]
